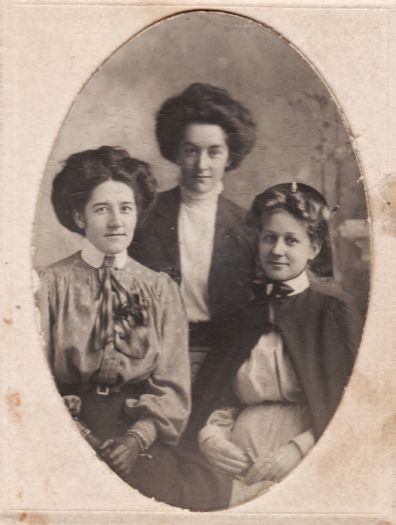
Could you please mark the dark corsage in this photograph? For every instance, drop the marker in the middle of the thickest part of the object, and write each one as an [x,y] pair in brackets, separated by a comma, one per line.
[134,311]
[131,318]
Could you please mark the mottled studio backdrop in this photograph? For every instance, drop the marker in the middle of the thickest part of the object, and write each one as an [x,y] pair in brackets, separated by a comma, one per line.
[300,133]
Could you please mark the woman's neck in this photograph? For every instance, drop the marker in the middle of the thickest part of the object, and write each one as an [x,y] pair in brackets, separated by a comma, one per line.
[194,198]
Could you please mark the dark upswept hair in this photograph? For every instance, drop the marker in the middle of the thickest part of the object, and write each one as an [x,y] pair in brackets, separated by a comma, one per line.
[72,187]
[205,104]
[305,204]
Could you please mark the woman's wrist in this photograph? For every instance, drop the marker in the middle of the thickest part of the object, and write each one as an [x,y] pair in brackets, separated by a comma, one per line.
[139,437]
[144,432]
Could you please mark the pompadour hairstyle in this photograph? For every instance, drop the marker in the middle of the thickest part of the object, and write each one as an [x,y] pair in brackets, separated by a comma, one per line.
[305,204]
[82,172]
[205,104]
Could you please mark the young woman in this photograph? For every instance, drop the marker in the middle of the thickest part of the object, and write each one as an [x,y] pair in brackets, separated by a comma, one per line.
[193,233]
[206,133]
[288,356]
[115,330]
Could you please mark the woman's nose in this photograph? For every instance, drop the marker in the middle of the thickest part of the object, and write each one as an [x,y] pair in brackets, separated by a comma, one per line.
[278,247]
[202,160]
[114,219]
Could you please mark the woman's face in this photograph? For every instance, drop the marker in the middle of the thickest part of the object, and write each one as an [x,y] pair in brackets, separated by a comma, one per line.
[109,217]
[203,157]
[284,246]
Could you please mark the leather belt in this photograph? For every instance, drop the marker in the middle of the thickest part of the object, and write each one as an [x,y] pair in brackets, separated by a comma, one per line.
[102,389]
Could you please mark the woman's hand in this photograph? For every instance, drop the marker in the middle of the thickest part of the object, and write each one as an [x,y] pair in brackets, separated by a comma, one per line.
[120,453]
[224,456]
[73,405]
[276,465]
[93,441]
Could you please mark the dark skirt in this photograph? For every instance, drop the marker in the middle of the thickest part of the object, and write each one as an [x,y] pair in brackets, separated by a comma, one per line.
[179,476]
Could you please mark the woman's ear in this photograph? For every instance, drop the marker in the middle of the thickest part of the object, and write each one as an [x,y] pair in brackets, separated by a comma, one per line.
[79,219]
[316,246]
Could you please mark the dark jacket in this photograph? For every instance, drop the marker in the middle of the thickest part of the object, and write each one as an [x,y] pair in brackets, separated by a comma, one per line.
[156,245]
[320,331]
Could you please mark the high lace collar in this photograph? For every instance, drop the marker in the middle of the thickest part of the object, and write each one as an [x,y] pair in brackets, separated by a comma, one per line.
[298,284]
[195,199]
[262,288]
[94,257]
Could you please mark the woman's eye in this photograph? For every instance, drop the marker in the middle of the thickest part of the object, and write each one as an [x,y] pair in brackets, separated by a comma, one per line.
[187,150]
[102,210]
[214,152]
[291,241]
[127,209]
[268,238]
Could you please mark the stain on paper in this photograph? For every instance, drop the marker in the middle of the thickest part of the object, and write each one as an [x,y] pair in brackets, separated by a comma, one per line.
[32,518]
[13,400]
[388,433]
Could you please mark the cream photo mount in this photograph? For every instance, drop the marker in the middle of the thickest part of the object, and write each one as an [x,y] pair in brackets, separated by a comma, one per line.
[49,52]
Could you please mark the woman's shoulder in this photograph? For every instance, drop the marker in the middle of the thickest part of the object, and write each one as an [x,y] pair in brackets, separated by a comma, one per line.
[158,281]
[166,201]
[56,278]
[232,208]
[339,308]
[330,292]
[165,209]
[233,219]
[63,267]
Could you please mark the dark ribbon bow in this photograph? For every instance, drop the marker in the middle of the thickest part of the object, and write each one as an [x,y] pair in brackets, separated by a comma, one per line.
[267,296]
[279,290]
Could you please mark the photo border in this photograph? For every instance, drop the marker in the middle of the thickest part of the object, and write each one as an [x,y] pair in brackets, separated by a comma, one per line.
[49,487]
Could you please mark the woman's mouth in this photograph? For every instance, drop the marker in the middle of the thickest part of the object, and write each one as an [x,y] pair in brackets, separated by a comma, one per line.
[277,263]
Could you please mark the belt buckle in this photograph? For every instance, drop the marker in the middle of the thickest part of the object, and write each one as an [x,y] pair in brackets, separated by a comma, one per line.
[102,390]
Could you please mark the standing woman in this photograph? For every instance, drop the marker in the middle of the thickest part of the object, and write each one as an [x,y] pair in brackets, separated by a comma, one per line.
[193,233]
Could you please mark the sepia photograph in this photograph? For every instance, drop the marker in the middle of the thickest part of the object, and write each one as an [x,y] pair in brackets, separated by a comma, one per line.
[203,269]
[204,319]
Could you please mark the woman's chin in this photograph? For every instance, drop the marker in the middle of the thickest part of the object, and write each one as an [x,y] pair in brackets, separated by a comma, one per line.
[199,185]
[114,248]
[278,274]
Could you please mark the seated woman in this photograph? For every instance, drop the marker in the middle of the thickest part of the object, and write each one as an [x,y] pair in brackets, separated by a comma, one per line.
[194,233]
[287,358]
[116,331]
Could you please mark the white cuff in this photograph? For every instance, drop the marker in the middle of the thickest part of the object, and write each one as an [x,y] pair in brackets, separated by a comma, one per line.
[304,442]
[146,427]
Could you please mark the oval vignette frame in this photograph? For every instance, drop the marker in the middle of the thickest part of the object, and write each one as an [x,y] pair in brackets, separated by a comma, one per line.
[302,134]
